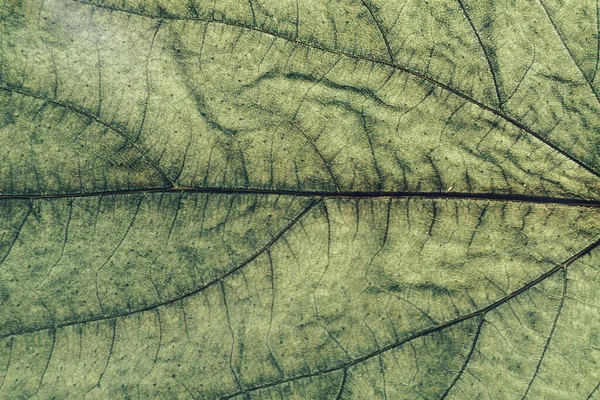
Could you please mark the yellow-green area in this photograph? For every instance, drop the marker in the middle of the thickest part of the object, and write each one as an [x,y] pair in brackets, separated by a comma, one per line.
[277,199]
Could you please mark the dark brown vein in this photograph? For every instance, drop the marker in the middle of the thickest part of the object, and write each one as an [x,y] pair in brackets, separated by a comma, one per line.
[147,100]
[17,233]
[110,354]
[550,335]
[593,391]
[485,52]
[228,318]
[369,7]
[467,359]
[41,381]
[342,385]
[357,195]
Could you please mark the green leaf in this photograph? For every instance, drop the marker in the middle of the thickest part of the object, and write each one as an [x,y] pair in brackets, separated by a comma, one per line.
[280,199]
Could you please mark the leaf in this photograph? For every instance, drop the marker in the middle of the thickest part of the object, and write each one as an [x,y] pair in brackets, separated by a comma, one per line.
[280,199]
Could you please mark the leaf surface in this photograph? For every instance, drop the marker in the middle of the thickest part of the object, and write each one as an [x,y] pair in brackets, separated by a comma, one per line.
[278,199]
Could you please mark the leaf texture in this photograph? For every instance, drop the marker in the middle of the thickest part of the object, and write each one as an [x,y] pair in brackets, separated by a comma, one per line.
[281,199]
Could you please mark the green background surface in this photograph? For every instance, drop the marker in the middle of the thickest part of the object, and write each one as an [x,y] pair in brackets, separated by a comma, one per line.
[299,199]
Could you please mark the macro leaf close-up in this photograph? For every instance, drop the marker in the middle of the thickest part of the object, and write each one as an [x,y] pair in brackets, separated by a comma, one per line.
[299,199]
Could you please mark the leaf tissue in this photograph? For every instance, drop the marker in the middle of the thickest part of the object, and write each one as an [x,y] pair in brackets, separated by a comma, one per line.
[285,199]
